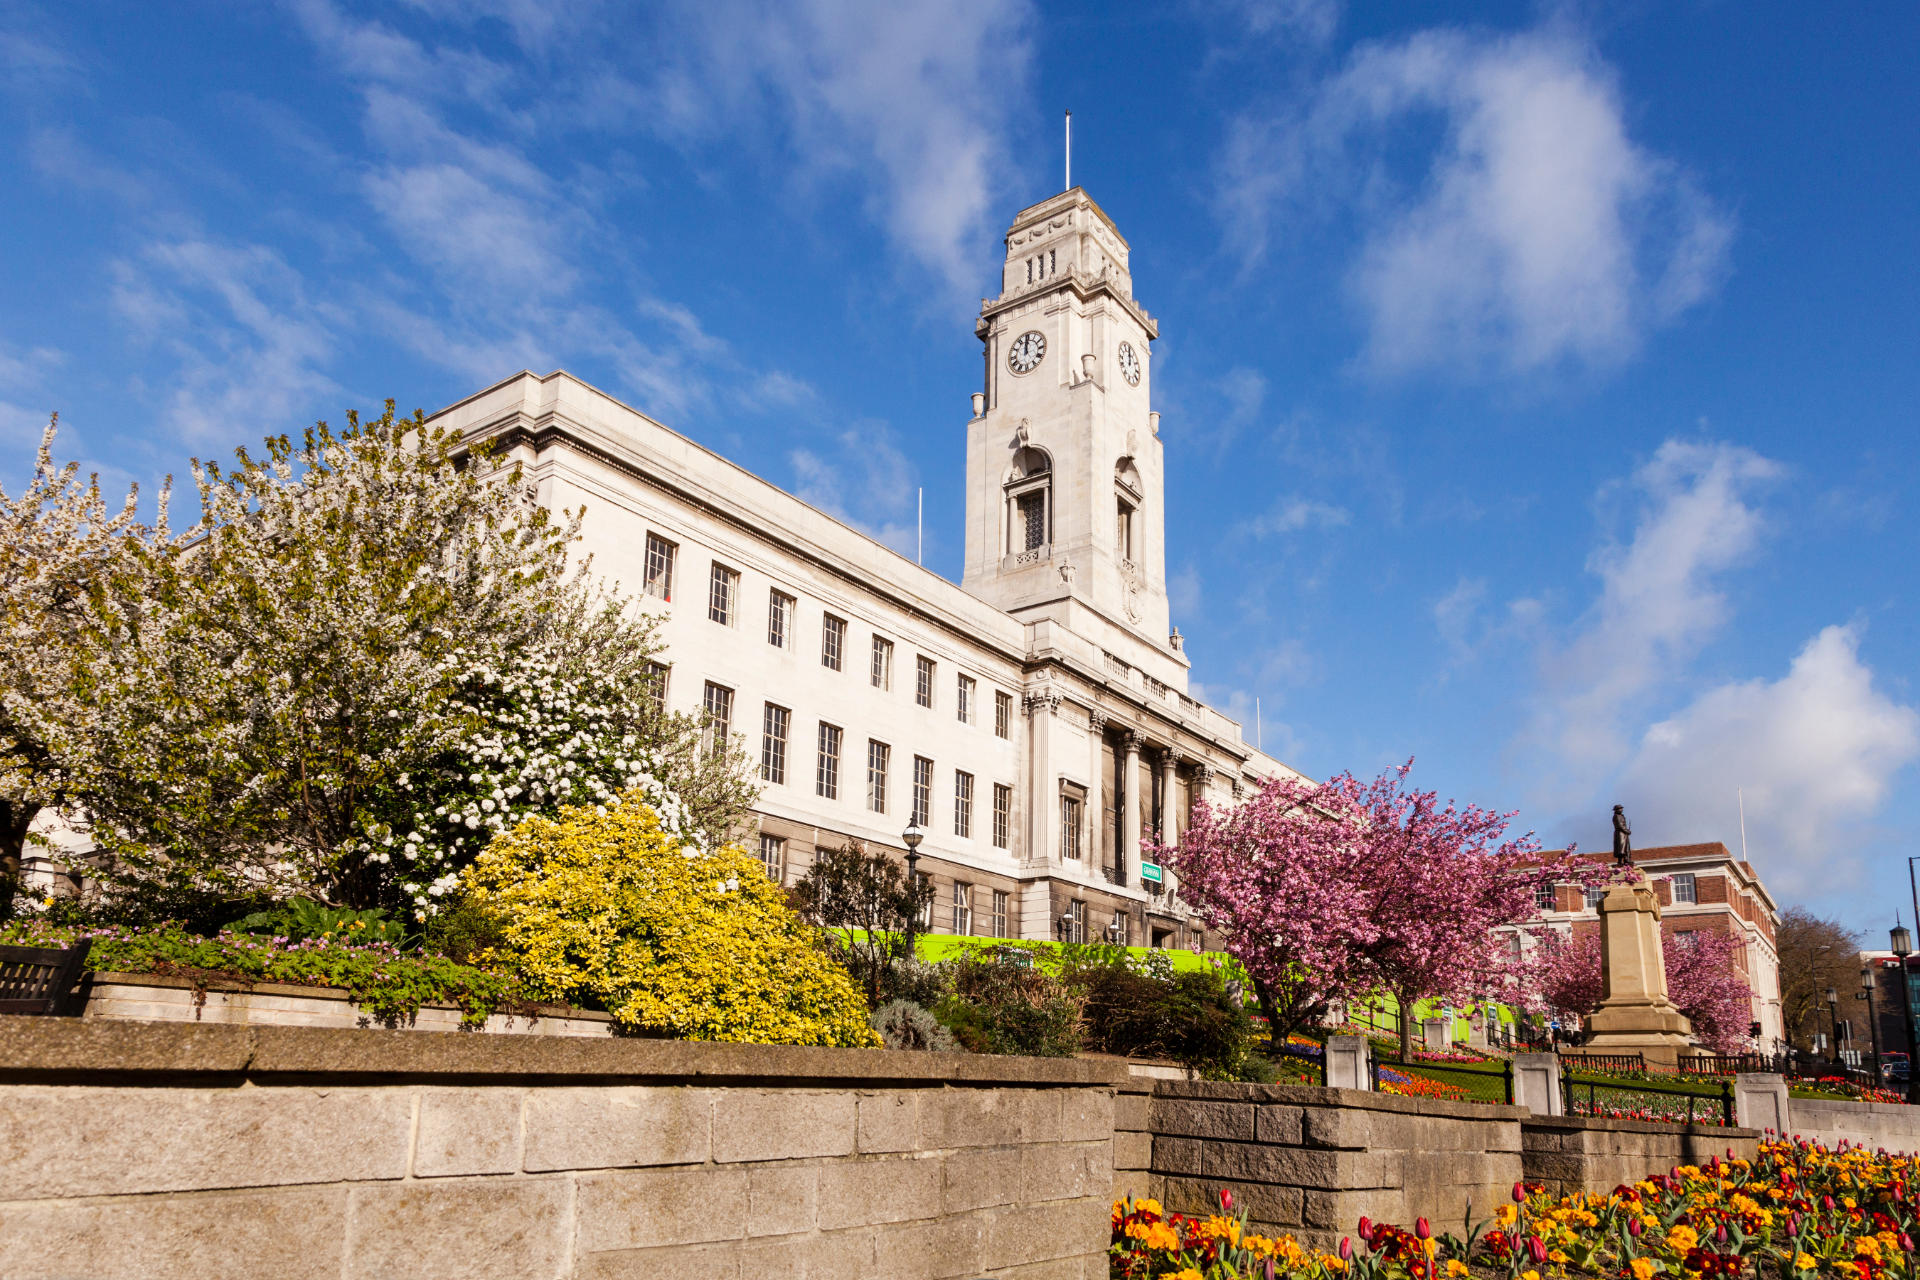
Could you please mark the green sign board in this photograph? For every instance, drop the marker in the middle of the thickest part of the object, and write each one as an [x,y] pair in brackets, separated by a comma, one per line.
[1150,872]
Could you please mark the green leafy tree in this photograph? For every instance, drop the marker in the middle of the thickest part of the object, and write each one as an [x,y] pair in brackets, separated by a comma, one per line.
[866,904]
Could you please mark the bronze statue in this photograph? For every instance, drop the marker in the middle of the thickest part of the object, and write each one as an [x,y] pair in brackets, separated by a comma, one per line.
[1622,838]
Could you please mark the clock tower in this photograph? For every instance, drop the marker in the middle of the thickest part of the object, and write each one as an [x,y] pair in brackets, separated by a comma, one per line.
[1065,518]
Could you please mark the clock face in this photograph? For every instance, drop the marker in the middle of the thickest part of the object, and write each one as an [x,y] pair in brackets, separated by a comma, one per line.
[1027,351]
[1129,364]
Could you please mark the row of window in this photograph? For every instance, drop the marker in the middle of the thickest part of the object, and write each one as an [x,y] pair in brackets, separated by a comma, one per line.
[723,606]
[996,916]
[776,725]
[1684,888]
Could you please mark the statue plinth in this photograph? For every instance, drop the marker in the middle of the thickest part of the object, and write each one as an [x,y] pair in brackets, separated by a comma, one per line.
[1635,1015]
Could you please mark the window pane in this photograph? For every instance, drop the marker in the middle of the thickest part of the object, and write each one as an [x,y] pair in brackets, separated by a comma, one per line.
[773,745]
[1069,827]
[923,681]
[922,791]
[963,805]
[962,908]
[718,704]
[833,639]
[882,674]
[779,619]
[1002,714]
[999,914]
[722,589]
[826,777]
[1033,519]
[657,685]
[773,856]
[963,699]
[877,757]
[657,580]
[1684,888]
[1002,815]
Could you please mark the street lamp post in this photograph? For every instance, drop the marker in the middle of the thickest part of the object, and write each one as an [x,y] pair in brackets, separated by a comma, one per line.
[1833,1021]
[912,837]
[1903,947]
[1872,980]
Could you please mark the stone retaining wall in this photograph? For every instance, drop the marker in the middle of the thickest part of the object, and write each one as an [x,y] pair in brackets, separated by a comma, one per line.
[1583,1153]
[1892,1125]
[193,1150]
[146,997]
[1311,1161]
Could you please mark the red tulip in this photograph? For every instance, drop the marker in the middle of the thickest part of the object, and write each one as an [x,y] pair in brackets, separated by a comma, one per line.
[1826,1202]
[1346,1249]
[1720,1234]
[1519,1194]
[1422,1228]
[1536,1250]
[1634,1227]
[1366,1228]
[1226,1200]
[1270,1271]
[1906,1242]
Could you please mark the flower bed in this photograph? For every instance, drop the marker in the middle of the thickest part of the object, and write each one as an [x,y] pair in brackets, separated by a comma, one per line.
[1797,1211]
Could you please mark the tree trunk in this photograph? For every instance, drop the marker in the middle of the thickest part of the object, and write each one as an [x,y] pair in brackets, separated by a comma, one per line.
[1406,1003]
[1270,1009]
[15,818]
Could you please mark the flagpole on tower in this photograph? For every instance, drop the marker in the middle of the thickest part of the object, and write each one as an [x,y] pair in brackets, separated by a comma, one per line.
[1069,185]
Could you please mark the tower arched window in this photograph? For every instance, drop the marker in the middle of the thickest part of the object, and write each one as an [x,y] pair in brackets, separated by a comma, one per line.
[1029,494]
[1127,493]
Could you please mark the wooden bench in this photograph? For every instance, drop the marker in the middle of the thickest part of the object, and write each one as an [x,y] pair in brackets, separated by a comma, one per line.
[41,979]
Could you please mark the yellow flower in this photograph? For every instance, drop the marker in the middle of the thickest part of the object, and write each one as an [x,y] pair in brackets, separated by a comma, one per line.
[1866,1247]
[1557,1256]
[1642,1268]
[1455,1267]
[1505,1215]
[1149,1206]
[1529,1275]
[1188,1274]
[1682,1238]
[1803,1262]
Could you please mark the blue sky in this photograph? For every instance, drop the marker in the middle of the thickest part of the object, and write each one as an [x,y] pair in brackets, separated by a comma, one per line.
[1539,382]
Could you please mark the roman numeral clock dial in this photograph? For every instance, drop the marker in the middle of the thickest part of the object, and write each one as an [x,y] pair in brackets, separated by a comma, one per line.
[1129,364]
[1027,351]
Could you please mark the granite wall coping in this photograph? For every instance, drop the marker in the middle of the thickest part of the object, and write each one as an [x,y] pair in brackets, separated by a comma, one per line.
[71,1051]
[240,986]
[1606,1124]
[1306,1095]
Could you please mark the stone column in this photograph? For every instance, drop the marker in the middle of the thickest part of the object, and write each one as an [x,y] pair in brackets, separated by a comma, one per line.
[1128,855]
[1536,1083]
[1169,778]
[1760,1102]
[1347,1066]
[1096,788]
[1043,805]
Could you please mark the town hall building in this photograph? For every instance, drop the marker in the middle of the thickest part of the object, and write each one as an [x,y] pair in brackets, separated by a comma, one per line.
[1034,720]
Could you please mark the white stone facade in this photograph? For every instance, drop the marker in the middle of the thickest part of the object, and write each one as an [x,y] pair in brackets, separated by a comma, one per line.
[1076,697]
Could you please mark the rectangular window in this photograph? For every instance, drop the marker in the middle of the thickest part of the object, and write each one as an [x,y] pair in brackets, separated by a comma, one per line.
[718,705]
[1123,532]
[1033,519]
[1684,888]
[773,856]
[1070,828]
[773,745]
[1594,895]
[1077,921]
[963,700]
[922,791]
[826,774]
[657,578]
[657,685]
[1000,905]
[925,886]
[962,908]
[963,804]
[1002,816]
[723,589]
[833,641]
[882,663]
[878,755]
[1002,714]
[923,681]
[1120,933]
[1543,896]
[779,619]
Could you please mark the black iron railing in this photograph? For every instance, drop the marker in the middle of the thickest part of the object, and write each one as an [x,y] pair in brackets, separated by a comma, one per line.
[1491,1082]
[1617,1063]
[1632,1100]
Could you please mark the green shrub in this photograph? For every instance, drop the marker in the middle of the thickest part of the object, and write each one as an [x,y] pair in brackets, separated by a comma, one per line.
[299,919]
[1187,1017]
[606,906]
[1001,1005]
[905,1025]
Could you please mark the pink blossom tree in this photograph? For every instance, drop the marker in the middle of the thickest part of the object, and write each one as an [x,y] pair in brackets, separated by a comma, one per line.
[1336,890]
[1704,982]
[1283,878]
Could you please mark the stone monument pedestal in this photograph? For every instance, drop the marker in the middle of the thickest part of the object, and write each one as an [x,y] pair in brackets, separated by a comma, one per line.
[1635,1015]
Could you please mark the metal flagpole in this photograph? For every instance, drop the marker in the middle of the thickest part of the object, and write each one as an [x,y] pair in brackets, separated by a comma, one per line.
[1069,185]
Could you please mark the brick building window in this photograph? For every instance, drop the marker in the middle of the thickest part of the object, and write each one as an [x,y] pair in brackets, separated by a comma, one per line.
[1685,888]
[1543,896]
[1594,894]
[1002,816]
[826,773]
[656,578]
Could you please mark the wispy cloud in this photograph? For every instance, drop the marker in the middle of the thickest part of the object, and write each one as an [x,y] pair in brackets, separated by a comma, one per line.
[1533,233]
[1292,513]
[866,482]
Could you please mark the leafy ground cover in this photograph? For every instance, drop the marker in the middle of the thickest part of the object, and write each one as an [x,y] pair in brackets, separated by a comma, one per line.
[1797,1211]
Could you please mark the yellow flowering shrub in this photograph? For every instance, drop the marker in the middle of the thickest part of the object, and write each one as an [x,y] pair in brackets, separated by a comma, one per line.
[607,908]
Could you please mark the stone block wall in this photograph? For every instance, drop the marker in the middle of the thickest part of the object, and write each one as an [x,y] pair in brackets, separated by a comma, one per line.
[1870,1124]
[1582,1153]
[182,1150]
[1311,1161]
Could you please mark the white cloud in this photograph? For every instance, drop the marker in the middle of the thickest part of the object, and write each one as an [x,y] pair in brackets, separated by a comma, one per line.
[920,94]
[1293,513]
[1312,20]
[1536,232]
[1813,752]
[870,484]
[1659,600]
